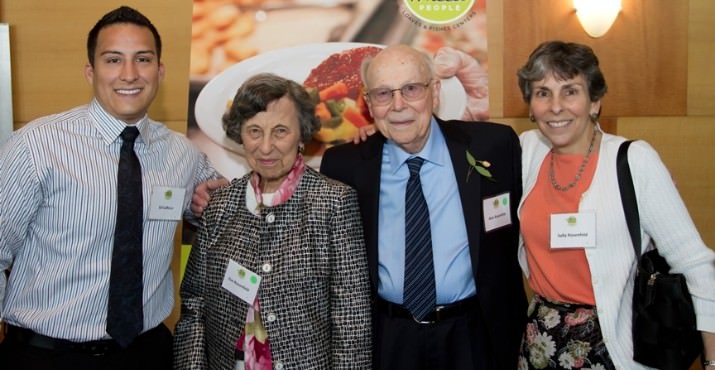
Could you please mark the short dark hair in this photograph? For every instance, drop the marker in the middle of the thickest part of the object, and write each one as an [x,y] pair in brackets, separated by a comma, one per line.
[257,92]
[565,60]
[123,14]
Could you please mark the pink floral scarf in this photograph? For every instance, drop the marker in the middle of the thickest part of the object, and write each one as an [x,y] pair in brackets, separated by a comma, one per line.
[287,187]
[254,341]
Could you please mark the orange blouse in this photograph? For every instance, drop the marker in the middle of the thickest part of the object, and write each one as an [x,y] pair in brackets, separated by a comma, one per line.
[557,274]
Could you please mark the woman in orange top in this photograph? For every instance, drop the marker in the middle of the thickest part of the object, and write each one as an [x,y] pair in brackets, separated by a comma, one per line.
[576,250]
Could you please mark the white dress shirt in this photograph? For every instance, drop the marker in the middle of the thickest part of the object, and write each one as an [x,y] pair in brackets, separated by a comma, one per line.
[58,179]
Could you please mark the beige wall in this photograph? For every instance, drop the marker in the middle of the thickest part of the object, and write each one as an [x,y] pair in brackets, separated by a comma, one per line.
[659,62]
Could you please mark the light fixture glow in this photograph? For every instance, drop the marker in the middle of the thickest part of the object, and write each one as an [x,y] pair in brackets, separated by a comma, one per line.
[597,16]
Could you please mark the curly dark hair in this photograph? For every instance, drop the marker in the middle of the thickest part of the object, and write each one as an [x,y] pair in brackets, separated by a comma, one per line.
[257,92]
[565,60]
[123,14]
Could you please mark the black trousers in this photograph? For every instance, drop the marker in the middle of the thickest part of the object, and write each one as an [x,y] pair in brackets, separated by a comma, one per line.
[457,343]
[151,350]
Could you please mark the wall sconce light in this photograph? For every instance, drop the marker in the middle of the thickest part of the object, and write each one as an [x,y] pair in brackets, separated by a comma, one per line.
[597,16]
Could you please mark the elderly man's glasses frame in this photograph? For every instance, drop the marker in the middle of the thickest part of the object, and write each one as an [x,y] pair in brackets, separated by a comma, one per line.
[410,92]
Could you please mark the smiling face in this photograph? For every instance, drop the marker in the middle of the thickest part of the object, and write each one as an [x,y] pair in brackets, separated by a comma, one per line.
[270,140]
[562,110]
[407,123]
[126,72]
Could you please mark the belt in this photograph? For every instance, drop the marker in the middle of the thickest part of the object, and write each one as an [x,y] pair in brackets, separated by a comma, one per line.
[440,312]
[28,337]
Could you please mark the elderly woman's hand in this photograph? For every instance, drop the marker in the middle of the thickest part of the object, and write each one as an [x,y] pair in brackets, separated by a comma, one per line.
[364,132]
[202,195]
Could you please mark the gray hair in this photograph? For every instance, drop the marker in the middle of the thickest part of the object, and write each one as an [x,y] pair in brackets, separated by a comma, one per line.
[257,92]
[565,61]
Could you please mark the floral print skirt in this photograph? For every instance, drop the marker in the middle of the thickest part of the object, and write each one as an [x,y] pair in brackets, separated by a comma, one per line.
[563,336]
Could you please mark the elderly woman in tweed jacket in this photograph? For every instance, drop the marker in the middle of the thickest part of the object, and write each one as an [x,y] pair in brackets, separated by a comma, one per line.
[287,229]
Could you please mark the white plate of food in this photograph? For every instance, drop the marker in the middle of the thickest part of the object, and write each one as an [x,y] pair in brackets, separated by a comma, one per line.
[320,67]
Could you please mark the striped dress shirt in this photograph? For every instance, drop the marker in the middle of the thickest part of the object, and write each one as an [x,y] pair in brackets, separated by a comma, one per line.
[58,178]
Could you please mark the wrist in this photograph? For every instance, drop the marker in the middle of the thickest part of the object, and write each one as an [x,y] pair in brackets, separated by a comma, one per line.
[709,363]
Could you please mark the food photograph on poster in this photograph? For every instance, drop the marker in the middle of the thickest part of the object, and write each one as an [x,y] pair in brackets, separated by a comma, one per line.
[321,44]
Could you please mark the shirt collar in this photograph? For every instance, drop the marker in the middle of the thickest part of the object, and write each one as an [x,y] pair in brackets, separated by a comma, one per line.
[432,151]
[110,127]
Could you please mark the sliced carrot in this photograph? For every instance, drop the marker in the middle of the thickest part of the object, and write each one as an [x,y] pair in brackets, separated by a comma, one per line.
[354,115]
[335,91]
[322,111]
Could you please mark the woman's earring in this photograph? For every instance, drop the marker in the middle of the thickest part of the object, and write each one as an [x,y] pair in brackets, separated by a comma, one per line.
[531,118]
[594,117]
[301,148]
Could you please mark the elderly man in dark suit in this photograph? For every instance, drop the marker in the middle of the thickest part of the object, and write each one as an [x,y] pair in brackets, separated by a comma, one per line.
[438,202]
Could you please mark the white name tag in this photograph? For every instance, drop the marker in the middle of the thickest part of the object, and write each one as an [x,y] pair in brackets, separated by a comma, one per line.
[497,212]
[166,203]
[242,282]
[573,230]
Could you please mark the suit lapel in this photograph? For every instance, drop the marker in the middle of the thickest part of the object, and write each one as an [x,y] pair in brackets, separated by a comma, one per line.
[458,141]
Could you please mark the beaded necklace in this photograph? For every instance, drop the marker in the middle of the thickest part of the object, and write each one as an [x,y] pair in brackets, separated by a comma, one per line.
[580,169]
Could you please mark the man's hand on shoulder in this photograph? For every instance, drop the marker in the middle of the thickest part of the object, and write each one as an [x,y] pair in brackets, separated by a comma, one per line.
[202,195]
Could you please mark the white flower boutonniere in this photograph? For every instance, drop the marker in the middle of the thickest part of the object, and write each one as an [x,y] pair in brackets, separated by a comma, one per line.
[479,166]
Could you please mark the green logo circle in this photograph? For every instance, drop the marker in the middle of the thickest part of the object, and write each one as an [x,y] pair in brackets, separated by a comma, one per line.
[439,11]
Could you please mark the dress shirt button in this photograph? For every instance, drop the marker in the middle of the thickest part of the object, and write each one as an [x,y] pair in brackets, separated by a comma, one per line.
[271,317]
[266,267]
[270,218]
[279,365]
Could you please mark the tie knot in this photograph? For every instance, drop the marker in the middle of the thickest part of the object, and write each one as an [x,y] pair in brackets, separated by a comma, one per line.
[129,134]
[414,164]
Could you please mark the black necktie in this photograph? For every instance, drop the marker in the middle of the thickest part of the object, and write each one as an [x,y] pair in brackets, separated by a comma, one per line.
[419,285]
[125,316]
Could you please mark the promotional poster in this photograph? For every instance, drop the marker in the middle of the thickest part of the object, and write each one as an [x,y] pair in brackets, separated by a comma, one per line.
[321,44]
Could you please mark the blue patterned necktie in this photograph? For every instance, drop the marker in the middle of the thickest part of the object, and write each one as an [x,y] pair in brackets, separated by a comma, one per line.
[419,289]
[125,316]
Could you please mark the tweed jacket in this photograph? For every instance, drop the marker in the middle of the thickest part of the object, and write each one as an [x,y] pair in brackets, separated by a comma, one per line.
[314,292]
[500,289]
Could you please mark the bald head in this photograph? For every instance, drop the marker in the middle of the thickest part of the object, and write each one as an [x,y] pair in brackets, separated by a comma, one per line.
[397,55]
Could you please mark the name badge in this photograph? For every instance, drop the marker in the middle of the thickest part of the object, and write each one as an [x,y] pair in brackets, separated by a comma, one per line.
[497,212]
[241,282]
[166,203]
[573,230]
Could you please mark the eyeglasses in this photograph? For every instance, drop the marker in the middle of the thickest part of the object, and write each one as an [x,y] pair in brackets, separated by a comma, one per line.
[410,92]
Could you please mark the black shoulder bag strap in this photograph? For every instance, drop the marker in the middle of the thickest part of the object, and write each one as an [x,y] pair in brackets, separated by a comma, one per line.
[628,196]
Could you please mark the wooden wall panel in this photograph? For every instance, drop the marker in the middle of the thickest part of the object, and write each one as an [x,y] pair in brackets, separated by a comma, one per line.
[701,61]
[48,46]
[643,56]
[685,146]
